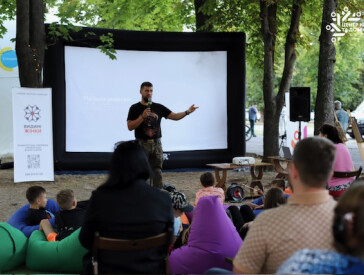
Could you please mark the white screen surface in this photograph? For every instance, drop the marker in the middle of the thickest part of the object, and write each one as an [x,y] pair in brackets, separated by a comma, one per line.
[99,92]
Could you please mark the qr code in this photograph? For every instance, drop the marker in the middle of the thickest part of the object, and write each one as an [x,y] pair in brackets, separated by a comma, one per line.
[33,161]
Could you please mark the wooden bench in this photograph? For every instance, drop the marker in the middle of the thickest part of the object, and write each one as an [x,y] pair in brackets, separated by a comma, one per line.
[224,167]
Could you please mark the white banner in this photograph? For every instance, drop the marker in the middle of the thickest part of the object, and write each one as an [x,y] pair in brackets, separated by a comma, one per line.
[33,139]
[292,128]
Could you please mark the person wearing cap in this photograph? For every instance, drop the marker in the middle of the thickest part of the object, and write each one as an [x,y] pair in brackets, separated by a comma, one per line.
[179,205]
[341,115]
[145,118]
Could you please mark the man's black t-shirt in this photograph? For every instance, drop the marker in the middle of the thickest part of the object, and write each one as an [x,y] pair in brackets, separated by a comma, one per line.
[150,127]
[68,221]
[34,216]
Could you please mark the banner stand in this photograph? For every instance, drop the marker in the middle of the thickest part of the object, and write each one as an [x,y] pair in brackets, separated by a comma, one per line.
[33,136]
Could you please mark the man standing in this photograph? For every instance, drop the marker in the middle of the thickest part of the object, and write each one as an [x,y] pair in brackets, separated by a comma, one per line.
[145,117]
[306,220]
[253,117]
[341,115]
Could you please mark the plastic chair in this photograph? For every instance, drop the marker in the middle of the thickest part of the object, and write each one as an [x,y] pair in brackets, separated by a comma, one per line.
[103,243]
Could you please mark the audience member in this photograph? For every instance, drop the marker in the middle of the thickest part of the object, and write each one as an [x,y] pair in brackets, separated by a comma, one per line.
[259,203]
[343,161]
[127,207]
[243,218]
[303,223]
[253,111]
[180,205]
[37,198]
[341,115]
[208,183]
[348,231]
[67,221]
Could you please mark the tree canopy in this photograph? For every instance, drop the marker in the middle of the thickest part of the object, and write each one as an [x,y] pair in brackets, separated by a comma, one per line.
[230,16]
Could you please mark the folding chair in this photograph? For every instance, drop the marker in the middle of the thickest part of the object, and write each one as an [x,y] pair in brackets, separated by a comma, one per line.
[355,174]
[350,174]
[103,243]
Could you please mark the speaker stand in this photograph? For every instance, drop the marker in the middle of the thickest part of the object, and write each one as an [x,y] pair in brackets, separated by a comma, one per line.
[299,130]
[283,138]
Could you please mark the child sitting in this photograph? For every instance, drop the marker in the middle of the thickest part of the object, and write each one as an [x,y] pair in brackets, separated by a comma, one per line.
[67,221]
[208,182]
[243,218]
[37,197]
[259,203]
[180,205]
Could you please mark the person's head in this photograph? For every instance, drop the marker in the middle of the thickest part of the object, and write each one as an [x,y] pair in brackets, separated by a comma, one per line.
[348,226]
[128,163]
[280,183]
[180,204]
[337,105]
[146,90]
[255,104]
[207,179]
[330,132]
[36,195]
[312,165]
[66,199]
[274,198]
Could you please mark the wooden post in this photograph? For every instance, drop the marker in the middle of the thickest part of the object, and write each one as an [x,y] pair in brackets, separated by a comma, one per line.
[357,135]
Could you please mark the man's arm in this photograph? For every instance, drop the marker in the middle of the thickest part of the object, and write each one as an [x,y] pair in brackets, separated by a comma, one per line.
[133,124]
[178,116]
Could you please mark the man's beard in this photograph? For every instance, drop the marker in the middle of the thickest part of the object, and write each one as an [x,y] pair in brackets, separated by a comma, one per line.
[145,99]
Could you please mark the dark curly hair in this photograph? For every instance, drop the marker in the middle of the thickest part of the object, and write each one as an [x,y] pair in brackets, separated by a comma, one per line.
[331,132]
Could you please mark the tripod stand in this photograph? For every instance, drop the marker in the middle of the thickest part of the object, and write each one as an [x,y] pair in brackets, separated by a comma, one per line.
[283,138]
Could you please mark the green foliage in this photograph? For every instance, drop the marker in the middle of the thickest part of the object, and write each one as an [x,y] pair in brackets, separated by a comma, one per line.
[7,12]
[108,45]
[349,70]
[229,16]
[146,15]
[57,31]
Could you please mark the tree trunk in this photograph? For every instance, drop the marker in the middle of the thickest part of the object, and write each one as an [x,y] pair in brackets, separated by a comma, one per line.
[30,42]
[324,108]
[273,104]
[202,24]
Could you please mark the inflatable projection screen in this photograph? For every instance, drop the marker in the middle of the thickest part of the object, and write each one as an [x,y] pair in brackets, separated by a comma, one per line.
[92,95]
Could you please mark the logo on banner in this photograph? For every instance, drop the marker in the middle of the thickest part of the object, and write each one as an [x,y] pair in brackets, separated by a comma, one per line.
[344,23]
[8,59]
[32,113]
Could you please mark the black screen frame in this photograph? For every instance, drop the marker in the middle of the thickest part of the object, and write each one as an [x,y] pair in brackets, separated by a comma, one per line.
[232,43]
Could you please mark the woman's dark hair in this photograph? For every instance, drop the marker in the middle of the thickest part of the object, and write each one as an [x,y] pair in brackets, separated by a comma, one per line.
[128,163]
[349,221]
[331,132]
[274,198]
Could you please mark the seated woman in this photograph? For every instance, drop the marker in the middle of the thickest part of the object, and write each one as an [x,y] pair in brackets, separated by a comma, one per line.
[127,207]
[348,231]
[244,217]
[343,161]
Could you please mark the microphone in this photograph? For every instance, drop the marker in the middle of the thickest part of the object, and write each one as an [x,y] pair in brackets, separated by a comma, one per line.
[150,102]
